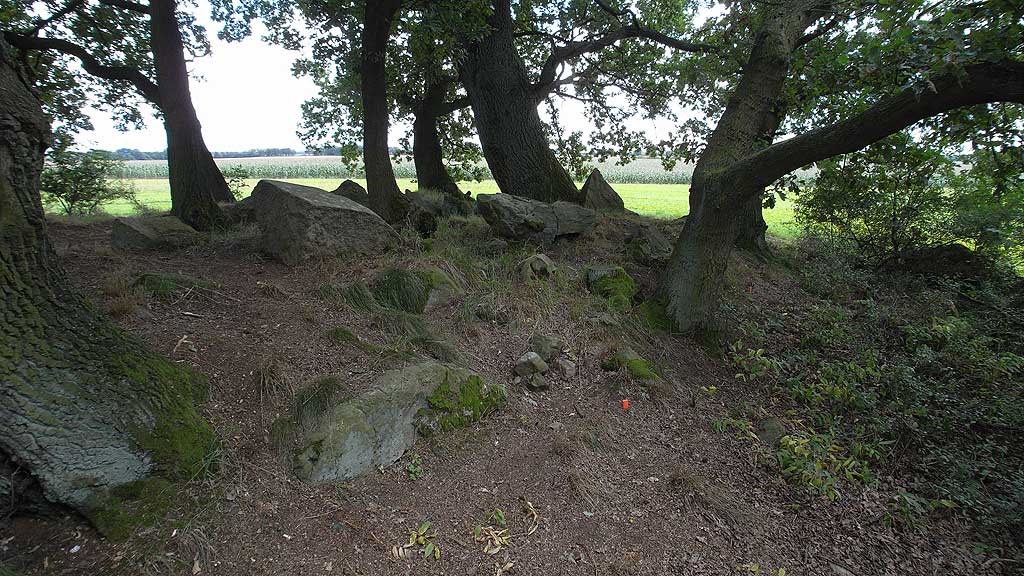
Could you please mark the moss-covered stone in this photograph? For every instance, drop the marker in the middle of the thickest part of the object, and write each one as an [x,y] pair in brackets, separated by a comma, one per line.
[377,427]
[132,506]
[180,442]
[654,315]
[458,402]
[626,358]
[613,284]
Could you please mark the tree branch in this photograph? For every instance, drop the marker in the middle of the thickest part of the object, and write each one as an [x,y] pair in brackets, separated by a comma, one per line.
[560,55]
[978,84]
[127,5]
[144,85]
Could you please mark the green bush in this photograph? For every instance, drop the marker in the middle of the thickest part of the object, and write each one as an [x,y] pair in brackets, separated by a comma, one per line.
[235,176]
[900,195]
[79,181]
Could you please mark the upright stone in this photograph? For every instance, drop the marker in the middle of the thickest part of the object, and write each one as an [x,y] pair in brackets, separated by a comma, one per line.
[300,222]
[599,195]
[353,191]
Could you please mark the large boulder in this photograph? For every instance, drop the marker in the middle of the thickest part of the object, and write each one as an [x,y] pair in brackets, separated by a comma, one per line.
[377,427]
[353,191]
[300,222]
[523,219]
[152,233]
[599,195]
[240,212]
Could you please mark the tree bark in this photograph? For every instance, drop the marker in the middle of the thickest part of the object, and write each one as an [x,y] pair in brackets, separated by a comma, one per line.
[691,286]
[385,197]
[507,122]
[431,173]
[751,229]
[196,182]
[84,408]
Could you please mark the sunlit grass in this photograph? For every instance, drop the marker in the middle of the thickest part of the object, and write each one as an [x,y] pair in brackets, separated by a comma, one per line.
[655,200]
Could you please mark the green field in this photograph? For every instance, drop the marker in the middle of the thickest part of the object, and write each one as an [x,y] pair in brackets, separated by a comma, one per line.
[655,200]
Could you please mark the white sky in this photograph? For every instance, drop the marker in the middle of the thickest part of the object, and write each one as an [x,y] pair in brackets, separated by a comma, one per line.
[246,97]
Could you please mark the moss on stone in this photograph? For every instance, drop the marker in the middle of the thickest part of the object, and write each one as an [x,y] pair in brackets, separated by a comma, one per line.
[129,507]
[180,442]
[626,358]
[613,284]
[458,402]
[655,316]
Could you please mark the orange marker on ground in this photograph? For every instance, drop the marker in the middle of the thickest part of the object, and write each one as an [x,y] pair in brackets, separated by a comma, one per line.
[625,404]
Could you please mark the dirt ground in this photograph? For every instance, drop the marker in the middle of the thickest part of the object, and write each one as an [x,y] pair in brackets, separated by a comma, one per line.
[648,490]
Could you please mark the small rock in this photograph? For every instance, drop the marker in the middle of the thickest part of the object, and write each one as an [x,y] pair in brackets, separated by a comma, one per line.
[493,247]
[771,430]
[536,382]
[152,233]
[649,246]
[530,363]
[547,347]
[537,266]
[565,367]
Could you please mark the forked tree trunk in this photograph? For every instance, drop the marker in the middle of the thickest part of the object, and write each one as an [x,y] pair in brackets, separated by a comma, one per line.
[384,196]
[751,229]
[427,154]
[84,408]
[507,122]
[196,182]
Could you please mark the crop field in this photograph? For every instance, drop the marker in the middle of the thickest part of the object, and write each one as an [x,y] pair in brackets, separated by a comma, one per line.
[639,171]
[645,186]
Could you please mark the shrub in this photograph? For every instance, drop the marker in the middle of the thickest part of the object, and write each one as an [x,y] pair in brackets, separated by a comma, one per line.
[900,195]
[236,176]
[79,181]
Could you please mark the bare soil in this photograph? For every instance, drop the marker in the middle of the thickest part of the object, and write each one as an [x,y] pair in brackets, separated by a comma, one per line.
[648,490]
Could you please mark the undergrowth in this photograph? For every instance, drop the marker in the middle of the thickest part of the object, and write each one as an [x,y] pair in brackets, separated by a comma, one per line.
[919,378]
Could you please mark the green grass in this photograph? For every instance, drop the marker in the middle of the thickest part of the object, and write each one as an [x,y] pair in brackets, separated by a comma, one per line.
[654,200]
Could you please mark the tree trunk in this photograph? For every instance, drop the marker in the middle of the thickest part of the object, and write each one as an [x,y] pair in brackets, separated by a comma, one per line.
[385,197]
[431,173]
[84,408]
[507,122]
[720,201]
[691,285]
[196,182]
[751,229]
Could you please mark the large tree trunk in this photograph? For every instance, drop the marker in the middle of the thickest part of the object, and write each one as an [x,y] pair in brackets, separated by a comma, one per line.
[84,408]
[431,173]
[751,229]
[385,197]
[511,133]
[196,182]
[719,205]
